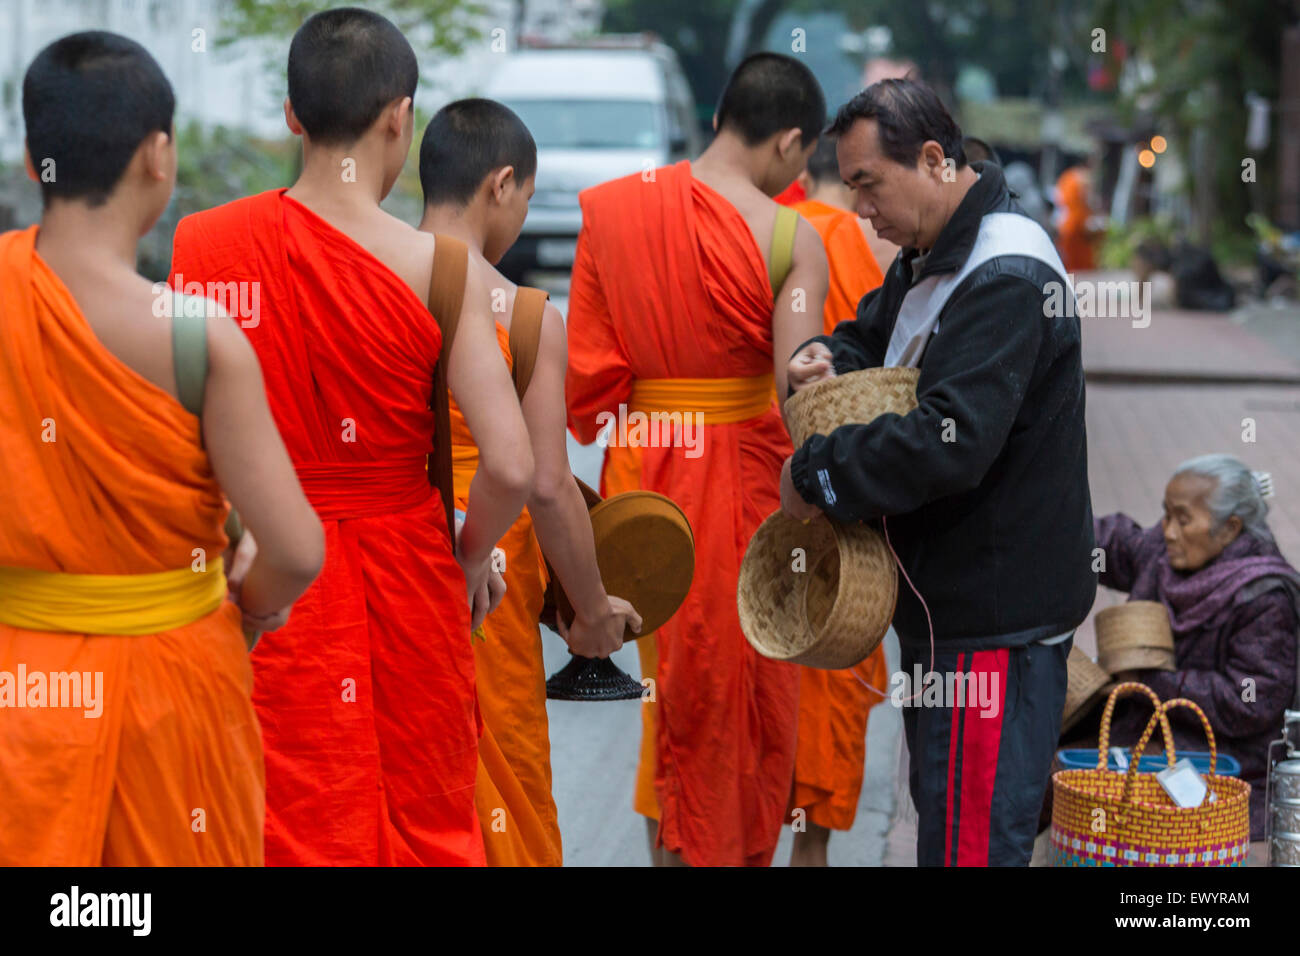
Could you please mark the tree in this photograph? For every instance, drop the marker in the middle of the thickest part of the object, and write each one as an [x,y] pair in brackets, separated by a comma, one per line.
[444,26]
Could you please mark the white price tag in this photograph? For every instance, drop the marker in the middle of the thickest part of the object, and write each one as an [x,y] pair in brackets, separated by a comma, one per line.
[1185,786]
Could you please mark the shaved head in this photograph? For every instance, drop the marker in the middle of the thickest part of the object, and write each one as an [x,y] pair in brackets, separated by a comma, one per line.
[345,66]
[768,93]
[465,142]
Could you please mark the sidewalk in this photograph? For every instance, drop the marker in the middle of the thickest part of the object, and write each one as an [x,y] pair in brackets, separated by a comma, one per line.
[1190,383]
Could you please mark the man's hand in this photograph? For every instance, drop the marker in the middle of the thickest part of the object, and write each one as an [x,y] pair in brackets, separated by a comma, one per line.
[792,503]
[602,635]
[254,624]
[810,364]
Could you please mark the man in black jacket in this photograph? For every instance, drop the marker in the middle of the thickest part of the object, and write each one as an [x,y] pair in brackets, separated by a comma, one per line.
[982,489]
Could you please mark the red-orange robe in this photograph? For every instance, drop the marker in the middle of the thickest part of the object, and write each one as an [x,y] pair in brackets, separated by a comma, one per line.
[668,282]
[516,810]
[834,705]
[104,473]
[367,697]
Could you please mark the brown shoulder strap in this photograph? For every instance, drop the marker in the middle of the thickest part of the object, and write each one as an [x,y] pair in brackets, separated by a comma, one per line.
[446,296]
[526,335]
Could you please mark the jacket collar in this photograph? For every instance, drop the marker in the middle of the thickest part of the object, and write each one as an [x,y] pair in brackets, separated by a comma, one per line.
[958,236]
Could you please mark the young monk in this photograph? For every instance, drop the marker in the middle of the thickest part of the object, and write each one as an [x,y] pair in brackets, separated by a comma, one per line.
[367,699]
[477,163]
[672,311]
[131,739]
[833,705]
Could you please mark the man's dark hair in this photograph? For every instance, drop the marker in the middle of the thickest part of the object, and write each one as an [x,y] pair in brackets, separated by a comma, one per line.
[823,164]
[908,114]
[768,93]
[345,66]
[89,100]
[465,141]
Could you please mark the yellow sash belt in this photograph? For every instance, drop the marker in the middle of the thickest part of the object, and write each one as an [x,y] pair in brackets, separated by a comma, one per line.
[109,603]
[722,401]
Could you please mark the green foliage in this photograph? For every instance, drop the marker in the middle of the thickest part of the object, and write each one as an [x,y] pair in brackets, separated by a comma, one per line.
[443,26]
[1120,242]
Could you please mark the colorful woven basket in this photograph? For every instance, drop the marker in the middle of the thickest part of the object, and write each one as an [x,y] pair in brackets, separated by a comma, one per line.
[1104,818]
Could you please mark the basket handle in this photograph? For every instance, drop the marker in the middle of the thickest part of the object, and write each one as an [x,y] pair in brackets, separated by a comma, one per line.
[1162,715]
[1205,722]
[1123,690]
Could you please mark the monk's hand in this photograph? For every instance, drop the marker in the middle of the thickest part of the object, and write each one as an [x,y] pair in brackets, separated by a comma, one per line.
[496,584]
[601,634]
[792,503]
[810,364]
[254,625]
[476,586]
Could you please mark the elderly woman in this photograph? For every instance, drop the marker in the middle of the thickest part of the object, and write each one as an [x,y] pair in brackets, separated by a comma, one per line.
[1232,602]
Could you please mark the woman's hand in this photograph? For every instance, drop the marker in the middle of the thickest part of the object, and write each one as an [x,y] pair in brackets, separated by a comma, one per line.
[792,503]
[811,364]
[601,635]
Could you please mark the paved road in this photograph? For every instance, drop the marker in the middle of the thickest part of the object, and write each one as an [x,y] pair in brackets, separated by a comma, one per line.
[594,751]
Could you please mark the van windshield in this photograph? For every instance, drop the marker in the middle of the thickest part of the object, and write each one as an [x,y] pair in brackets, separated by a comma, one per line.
[591,124]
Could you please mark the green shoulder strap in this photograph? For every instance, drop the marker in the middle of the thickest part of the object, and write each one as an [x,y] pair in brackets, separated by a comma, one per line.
[190,356]
[781,253]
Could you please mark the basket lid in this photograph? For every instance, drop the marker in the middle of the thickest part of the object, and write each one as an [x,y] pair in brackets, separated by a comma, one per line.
[645,550]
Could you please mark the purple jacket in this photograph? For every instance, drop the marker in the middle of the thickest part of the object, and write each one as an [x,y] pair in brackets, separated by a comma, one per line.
[1234,620]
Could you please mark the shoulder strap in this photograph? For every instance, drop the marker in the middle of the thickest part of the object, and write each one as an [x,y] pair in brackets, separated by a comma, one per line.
[526,335]
[781,253]
[446,296]
[189,355]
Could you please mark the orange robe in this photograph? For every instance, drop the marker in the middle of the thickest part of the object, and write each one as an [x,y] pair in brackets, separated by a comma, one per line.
[834,705]
[853,269]
[102,472]
[367,697]
[1073,239]
[668,283]
[515,807]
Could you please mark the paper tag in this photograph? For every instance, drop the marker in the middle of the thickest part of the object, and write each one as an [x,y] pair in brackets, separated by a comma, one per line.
[1185,786]
[1121,757]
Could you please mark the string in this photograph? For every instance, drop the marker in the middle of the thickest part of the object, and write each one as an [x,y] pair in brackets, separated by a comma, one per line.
[884,526]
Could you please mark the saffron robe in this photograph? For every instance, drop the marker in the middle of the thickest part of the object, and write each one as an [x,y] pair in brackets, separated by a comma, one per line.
[1073,239]
[516,810]
[668,282]
[367,697]
[853,269]
[834,705]
[102,472]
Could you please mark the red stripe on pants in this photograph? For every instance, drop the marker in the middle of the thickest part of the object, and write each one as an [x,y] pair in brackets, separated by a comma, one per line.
[981,738]
[952,769]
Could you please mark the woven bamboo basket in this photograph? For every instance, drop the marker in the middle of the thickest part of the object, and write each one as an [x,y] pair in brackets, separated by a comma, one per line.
[851,399]
[1085,684]
[1135,636]
[820,594]
[1106,818]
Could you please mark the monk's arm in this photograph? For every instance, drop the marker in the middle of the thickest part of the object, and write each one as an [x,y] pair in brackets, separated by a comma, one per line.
[254,470]
[480,383]
[558,509]
[797,317]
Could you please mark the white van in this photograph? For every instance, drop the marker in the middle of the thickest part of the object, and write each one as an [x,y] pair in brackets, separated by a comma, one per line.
[614,106]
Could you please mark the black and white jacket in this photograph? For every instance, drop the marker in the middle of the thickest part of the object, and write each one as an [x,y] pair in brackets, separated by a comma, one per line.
[985,483]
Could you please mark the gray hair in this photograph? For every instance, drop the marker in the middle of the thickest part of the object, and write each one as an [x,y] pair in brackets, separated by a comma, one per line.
[1237,491]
